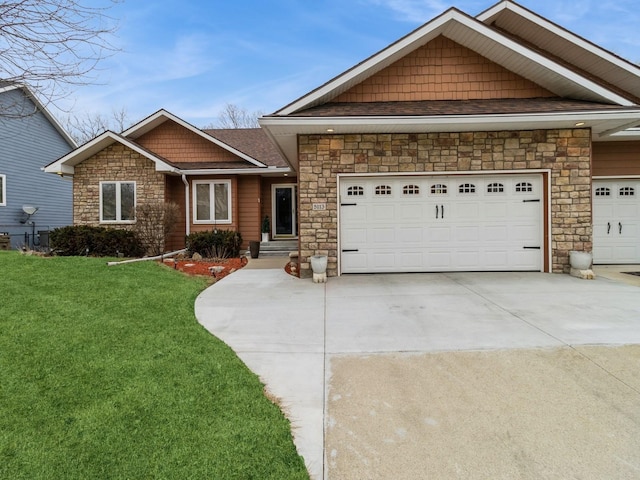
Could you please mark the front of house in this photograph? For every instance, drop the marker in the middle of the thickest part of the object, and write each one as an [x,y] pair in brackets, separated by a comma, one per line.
[219,179]
[495,143]
[499,142]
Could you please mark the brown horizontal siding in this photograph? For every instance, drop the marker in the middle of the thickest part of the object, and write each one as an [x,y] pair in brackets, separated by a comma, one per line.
[443,70]
[178,144]
[249,209]
[616,158]
[175,193]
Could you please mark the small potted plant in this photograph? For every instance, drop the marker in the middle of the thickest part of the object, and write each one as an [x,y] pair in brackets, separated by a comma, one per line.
[266,228]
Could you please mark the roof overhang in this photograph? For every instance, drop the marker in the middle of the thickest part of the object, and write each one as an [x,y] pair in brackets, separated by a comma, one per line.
[66,164]
[162,116]
[486,41]
[605,126]
[511,17]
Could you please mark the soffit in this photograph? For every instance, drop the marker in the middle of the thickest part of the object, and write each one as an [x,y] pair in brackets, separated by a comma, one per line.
[549,37]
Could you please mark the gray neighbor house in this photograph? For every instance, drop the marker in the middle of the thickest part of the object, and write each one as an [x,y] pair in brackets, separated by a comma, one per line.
[31,201]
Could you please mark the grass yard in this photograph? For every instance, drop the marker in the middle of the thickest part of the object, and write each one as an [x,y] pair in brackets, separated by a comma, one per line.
[106,374]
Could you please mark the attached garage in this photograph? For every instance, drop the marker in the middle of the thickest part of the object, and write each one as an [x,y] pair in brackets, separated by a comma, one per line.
[432,223]
[616,221]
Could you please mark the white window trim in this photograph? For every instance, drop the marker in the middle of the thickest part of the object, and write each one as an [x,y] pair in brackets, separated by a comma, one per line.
[118,202]
[3,200]
[194,200]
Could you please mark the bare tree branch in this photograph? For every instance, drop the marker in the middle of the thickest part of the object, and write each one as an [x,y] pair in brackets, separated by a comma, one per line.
[84,128]
[233,116]
[52,45]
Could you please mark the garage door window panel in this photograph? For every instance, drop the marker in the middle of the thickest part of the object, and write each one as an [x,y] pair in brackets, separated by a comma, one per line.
[603,192]
[495,188]
[383,190]
[467,188]
[524,187]
[355,191]
[411,190]
[438,189]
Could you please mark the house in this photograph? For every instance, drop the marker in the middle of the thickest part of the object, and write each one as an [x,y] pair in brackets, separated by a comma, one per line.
[31,202]
[489,143]
[226,179]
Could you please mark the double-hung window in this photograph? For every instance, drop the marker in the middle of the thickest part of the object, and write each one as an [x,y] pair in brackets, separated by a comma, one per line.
[3,190]
[212,201]
[117,202]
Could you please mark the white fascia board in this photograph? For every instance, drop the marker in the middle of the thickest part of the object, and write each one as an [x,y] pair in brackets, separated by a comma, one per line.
[285,131]
[163,114]
[545,62]
[560,32]
[66,164]
[235,171]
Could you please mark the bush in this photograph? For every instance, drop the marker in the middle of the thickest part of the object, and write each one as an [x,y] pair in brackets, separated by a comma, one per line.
[95,241]
[215,244]
[154,224]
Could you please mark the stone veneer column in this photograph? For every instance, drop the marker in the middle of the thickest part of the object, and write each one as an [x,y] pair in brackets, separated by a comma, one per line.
[565,153]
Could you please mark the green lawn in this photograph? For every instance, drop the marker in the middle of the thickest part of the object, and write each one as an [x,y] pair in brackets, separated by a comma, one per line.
[106,374]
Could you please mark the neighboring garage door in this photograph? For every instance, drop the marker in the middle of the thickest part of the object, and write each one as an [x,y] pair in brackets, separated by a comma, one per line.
[616,221]
[441,223]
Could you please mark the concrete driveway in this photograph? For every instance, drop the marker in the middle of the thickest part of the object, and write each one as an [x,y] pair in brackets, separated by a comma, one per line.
[457,375]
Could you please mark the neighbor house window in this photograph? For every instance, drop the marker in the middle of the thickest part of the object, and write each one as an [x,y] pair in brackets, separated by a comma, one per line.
[3,190]
[117,201]
[212,201]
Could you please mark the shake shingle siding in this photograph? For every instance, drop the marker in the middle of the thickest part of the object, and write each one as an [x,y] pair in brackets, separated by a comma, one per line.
[28,142]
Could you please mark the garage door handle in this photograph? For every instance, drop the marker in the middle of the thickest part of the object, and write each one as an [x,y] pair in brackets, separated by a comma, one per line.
[619,228]
[436,211]
[350,250]
[531,248]
[442,213]
[608,227]
[348,204]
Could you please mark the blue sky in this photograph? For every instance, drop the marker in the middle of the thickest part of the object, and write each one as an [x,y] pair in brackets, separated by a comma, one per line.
[192,57]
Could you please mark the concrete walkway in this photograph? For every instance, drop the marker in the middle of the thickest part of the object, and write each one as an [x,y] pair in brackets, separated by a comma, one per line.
[371,357]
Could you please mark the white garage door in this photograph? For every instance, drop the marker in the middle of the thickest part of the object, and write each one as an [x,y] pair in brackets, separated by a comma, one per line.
[438,223]
[616,221]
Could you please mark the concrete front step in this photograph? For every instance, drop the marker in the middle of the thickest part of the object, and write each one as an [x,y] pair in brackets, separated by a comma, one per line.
[278,248]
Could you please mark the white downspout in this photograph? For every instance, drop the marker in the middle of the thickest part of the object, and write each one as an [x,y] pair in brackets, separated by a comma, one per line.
[186,204]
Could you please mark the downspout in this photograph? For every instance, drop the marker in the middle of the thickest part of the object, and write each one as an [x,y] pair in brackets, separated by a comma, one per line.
[186,204]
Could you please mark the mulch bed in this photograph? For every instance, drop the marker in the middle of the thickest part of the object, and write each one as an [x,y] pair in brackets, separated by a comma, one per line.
[201,267]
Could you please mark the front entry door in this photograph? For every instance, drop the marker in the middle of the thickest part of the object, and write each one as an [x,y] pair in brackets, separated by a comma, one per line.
[284,211]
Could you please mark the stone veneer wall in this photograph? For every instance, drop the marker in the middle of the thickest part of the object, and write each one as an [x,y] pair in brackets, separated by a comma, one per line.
[566,153]
[114,163]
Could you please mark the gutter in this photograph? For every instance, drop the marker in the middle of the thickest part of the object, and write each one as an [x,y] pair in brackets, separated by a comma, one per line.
[186,205]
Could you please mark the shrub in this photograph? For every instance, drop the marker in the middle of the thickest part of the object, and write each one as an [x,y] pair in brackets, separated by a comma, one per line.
[154,224]
[95,241]
[215,244]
